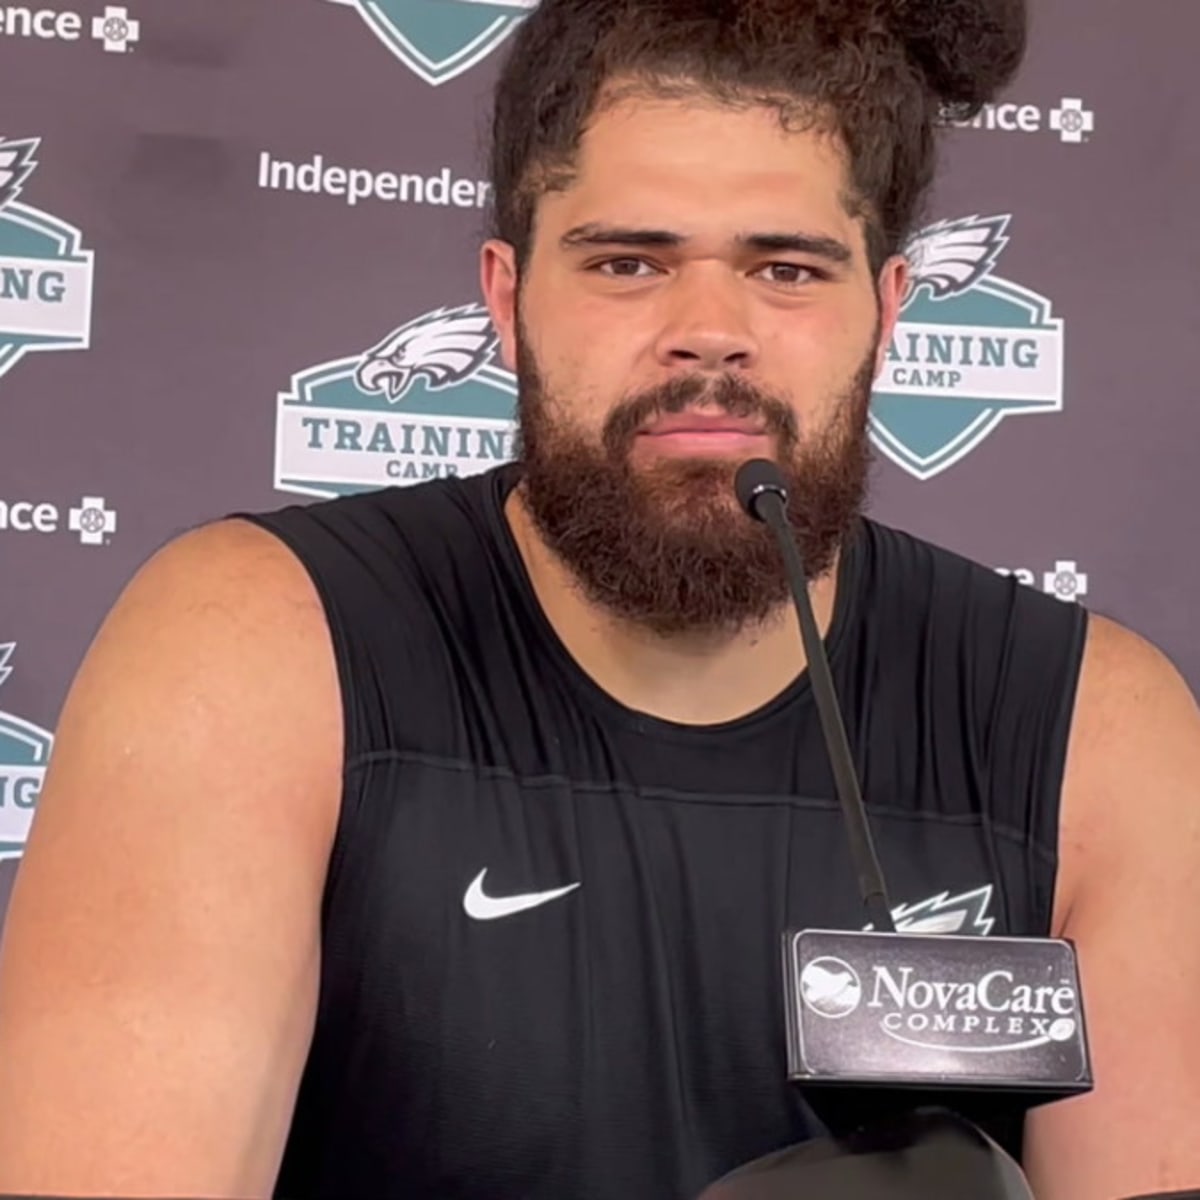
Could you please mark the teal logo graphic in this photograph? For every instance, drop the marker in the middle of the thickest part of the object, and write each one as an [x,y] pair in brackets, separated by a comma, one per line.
[439,39]
[969,350]
[45,274]
[24,752]
[424,402]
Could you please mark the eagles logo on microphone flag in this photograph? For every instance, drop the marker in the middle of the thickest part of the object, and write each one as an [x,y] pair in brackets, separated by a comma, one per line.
[963,913]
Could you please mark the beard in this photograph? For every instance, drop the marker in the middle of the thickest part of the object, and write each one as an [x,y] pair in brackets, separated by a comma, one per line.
[665,544]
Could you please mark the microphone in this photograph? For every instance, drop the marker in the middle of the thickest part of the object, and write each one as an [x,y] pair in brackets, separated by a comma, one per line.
[998,1022]
[762,492]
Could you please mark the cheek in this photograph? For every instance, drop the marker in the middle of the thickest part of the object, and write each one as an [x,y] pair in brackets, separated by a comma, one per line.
[585,366]
[579,389]
[816,367]
[554,332]
[819,381]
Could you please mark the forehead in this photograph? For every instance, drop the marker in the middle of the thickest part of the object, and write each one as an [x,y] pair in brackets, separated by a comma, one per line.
[710,167]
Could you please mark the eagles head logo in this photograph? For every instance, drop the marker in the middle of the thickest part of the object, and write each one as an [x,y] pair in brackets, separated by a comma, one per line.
[969,349]
[16,165]
[965,913]
[444,347]
[953,256]
[440,39]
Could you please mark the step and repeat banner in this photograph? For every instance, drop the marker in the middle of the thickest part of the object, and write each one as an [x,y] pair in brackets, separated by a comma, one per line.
[233,231]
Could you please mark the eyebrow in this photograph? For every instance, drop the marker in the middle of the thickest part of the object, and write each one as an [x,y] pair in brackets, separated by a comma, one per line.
[595,234]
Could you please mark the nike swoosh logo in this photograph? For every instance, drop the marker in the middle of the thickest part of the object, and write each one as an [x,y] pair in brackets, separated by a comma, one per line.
[487,908]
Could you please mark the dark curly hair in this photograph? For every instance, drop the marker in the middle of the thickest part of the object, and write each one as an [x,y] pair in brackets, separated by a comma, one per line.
[877,73]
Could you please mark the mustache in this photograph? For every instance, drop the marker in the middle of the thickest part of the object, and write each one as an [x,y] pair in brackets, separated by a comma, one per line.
[733,395]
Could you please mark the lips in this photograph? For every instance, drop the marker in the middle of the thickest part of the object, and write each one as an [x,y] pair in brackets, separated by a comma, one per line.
[691,422]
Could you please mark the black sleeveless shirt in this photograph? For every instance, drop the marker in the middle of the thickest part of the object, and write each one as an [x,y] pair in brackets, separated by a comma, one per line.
[624,1038]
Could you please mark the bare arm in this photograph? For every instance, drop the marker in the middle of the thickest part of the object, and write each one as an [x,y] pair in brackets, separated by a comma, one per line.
[1129,896]
[159,967]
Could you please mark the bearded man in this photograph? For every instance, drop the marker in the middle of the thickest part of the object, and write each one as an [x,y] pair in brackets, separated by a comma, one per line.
[439,841]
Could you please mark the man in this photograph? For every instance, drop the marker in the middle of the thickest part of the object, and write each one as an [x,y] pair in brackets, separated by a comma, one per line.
[438,842]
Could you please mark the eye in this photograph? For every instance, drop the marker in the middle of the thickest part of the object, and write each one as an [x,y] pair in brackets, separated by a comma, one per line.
[623,268]
[793,274]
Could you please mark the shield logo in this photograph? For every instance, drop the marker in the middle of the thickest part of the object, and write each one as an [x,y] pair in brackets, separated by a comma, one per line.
[440,39]
[24,752]
[45,274]
[970,349]
[426,401]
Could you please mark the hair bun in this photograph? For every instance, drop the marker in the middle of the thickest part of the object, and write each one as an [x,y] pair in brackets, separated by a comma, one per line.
[966,49]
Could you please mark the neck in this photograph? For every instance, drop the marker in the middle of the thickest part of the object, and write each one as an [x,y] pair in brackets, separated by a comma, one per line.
[688,679]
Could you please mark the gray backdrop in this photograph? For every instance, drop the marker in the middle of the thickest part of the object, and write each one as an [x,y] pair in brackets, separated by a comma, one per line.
[234,235]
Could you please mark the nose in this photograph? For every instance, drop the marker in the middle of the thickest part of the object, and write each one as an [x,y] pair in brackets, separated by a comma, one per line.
[707,329]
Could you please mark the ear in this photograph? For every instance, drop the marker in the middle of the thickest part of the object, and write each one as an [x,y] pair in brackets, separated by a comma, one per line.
[892,287]
[498,280]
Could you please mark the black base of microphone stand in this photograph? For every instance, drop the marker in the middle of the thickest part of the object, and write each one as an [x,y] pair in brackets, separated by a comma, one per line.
[925,1154]
[842,1111]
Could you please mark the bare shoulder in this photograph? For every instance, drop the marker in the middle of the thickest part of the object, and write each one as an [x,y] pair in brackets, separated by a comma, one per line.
[221,634]
[159,971]
[231,572]
[1123,668]
[1128,896]
[1130,693]
[1134,752]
